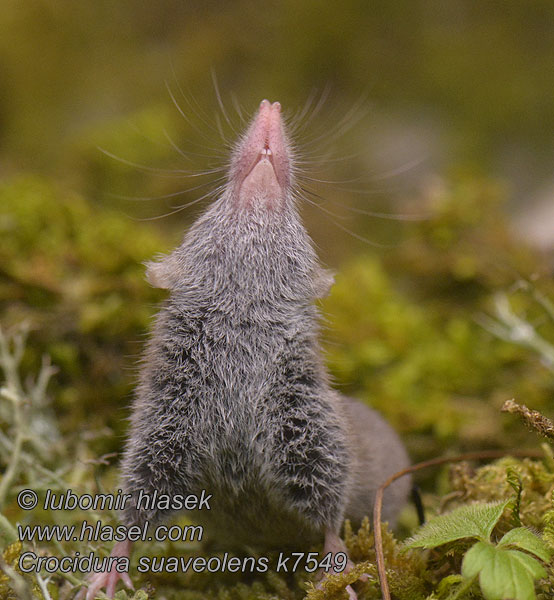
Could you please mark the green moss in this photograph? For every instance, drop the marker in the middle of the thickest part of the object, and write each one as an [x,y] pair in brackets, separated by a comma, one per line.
[75,274]
[408,333]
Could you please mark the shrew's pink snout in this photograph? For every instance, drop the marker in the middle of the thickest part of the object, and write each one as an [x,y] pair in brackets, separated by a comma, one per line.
[261,165]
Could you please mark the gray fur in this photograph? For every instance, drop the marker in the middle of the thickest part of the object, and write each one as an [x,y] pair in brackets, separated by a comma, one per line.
[233,395]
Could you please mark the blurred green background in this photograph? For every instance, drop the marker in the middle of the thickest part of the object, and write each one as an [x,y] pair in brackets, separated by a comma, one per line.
[439,109]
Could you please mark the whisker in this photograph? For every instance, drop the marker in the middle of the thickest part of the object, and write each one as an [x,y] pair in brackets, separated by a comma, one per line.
[187,155]
[299,121]
[313,203]
[330,181]
[359,191]
[184,206]
[197,109]
[399,170]
[297,118]
[317,108]
[169,195]
[220,102]
[363,211]
[236,106]
[346,122]
[382,215]
[355,235]
[170,173]
[187,119]
[326,159]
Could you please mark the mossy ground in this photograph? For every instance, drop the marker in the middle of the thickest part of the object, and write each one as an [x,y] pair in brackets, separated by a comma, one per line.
[406,332]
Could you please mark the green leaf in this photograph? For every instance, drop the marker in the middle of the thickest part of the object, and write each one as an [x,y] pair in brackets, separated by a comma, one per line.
[526,540]
[503,574]
[472,521]
[514,479]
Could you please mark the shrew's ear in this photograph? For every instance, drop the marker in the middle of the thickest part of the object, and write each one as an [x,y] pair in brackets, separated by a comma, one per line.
[324,281]
[164,273]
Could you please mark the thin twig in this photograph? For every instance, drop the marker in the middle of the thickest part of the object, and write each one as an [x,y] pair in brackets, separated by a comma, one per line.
[513,328]
[378,538]
[20,437]
[20,586]
[539,297]
[533,418]
[10,359]
[11,353]
[12,348]
[42,584]
[33,465]
[7,530]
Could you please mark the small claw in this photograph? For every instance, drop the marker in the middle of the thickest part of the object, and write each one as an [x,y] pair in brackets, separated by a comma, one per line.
[110,578]
[349,566]
[107,580]
[80,594]
[333,544]
[95,584]
[351,593]
[127,581]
